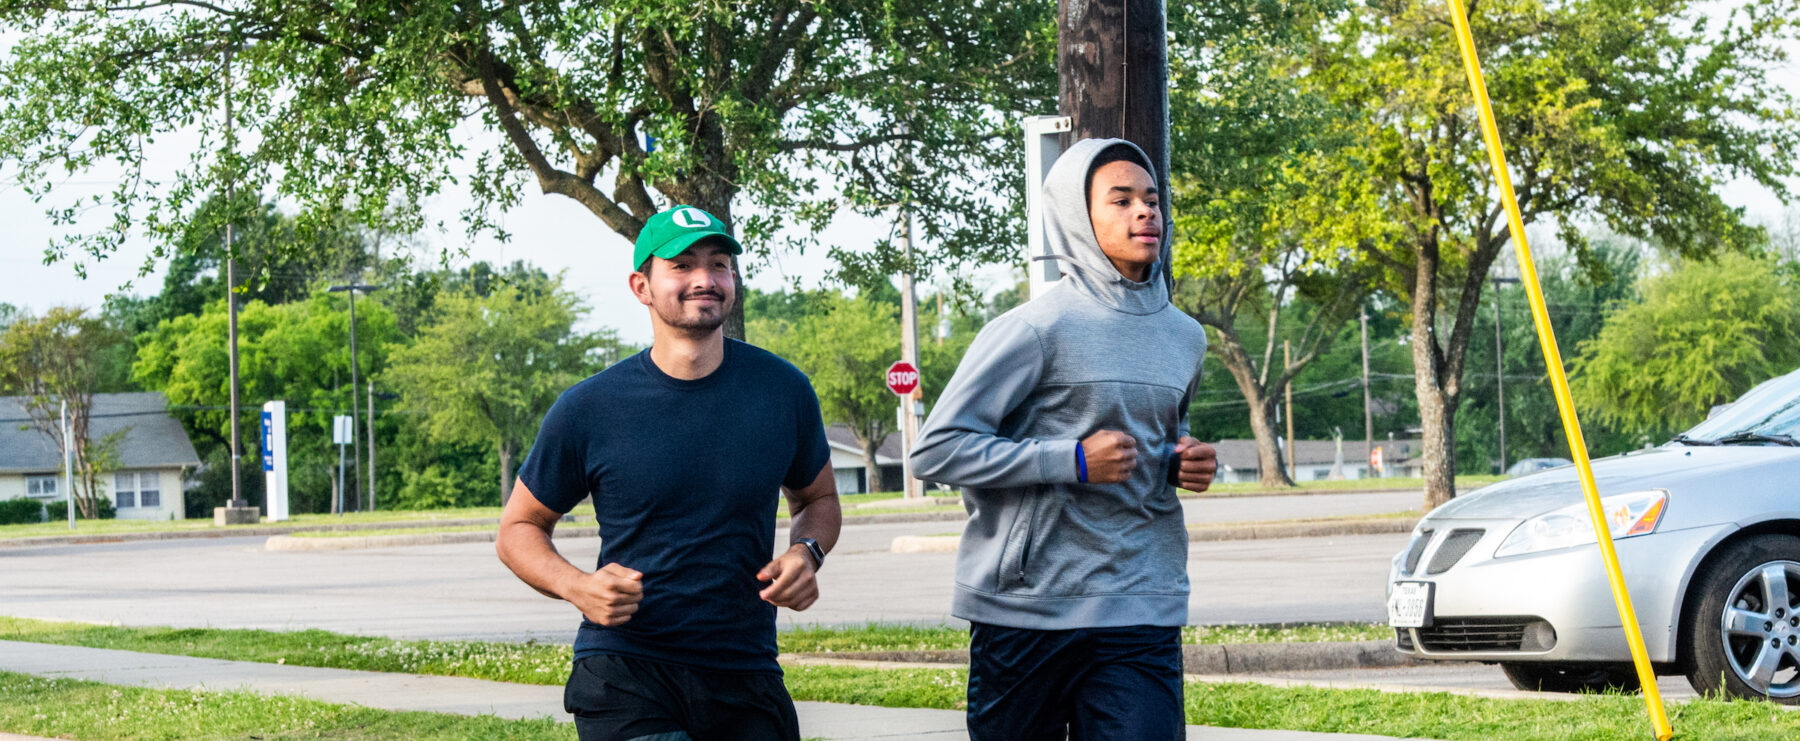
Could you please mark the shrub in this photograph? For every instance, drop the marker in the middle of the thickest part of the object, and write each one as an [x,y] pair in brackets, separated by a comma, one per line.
[431,488]
[21,511]
[59,508]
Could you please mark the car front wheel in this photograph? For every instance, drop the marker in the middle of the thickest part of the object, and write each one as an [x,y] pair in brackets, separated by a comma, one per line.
[1743,632]
[1540,677]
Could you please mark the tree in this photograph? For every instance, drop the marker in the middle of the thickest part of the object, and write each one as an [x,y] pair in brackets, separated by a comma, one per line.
[350,109]
[487,367]
[297,352]
[844,346]
[62,358]
[1626,112]
[1703,334]
[1249,191]
[276,264]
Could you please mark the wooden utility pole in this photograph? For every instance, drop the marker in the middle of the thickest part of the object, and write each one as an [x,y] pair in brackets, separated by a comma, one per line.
[1287,363]
[1112,61]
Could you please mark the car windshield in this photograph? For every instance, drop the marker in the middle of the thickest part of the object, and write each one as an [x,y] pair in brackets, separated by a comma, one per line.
[1771,409]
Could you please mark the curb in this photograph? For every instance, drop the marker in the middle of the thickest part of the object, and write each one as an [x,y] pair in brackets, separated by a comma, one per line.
[1213,660]
[292,543]
[236,532]
[1272,530]
[1301,529]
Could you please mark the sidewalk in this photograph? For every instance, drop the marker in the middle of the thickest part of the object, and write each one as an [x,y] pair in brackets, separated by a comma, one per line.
[478,697]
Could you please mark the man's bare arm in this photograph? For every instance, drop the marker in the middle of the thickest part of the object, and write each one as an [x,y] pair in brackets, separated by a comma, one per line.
[814,512]
[608,596]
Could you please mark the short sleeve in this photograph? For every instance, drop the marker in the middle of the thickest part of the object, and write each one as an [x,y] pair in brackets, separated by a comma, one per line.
[811,451]
[556,470]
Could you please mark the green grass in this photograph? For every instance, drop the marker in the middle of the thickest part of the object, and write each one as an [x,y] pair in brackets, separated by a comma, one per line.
[1253,488]
[68,708]
[896,637]
[85,710]
[1411,514]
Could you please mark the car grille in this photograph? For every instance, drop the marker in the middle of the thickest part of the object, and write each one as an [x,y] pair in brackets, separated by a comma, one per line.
[1403,639]
[1475,634]
[1455,546]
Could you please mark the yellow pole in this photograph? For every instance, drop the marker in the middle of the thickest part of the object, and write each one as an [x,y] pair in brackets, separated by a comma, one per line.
[1659,719]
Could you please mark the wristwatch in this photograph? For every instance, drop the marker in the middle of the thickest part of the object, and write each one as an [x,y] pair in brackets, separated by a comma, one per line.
[812,547]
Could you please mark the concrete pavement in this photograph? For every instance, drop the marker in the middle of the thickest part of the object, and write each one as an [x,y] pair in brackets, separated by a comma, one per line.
[478,697]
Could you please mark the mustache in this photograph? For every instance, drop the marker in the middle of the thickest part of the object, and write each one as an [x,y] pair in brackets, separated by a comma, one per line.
[703,293]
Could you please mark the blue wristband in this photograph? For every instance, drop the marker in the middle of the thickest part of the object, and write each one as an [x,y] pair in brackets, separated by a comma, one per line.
[1080,463]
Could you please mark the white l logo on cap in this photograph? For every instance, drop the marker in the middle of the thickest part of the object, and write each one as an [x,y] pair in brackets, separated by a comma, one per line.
[691,218]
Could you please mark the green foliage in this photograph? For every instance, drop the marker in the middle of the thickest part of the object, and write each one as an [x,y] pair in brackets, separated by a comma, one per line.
[1626,112]
[276,264]
[297,352]
[845,345]
[57,510]
[353,111]
[21,511]
[430,488]
[486,368]
[1704,333]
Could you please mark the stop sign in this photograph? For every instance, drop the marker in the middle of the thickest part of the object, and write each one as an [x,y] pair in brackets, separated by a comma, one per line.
[902,378]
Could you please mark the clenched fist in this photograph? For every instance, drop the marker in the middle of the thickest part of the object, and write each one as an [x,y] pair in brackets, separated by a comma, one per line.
[1195,464]
[608,596]
[1110,455]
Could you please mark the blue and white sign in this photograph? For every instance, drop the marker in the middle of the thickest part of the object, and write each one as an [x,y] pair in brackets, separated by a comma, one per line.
[275,469]
[268,442]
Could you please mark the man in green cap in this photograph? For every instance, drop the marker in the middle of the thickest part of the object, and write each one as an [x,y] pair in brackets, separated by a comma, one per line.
[682,447]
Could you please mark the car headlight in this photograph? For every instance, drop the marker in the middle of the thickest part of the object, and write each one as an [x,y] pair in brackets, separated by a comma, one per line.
[1626,515]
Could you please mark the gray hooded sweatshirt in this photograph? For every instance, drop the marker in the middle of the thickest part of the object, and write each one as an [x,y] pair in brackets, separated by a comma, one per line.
[1096,352]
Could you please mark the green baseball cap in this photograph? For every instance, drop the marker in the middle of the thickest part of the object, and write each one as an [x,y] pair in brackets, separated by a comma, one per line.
[666,234]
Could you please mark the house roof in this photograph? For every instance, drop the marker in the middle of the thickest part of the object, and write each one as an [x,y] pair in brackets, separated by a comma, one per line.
[885,454]
[154,439]
[1241,454]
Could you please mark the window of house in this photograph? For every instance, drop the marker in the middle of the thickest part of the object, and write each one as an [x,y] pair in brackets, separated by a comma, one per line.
[124,490]
[40,486]
[137,489]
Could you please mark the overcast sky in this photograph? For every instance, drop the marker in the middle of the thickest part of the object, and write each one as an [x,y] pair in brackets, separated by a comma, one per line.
[552,232]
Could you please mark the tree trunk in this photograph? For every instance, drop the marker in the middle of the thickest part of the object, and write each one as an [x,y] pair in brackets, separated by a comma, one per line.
[714,197]
[506,477]
[1435,390]
[871,467]
[1272,469]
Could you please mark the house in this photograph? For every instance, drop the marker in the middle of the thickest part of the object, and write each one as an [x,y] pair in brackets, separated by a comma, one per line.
[154,455]
[848,467]
[1314,459]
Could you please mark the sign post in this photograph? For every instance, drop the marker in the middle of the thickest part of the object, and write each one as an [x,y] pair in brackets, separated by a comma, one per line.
[343,432]
[274,459]
[903,379]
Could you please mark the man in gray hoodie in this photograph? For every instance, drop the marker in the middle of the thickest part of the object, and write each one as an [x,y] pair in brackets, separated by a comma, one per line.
[1066,427]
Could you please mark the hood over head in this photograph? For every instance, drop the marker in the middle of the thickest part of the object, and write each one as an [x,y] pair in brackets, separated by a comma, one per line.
[1069,233]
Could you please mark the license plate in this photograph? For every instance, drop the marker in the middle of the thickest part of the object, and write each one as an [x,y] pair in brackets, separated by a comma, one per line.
[1410,605]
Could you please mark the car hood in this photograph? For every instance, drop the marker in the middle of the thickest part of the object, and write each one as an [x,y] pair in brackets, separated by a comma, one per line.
[1672,467]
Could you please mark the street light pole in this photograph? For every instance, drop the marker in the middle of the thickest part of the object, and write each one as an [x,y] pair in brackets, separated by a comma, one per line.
[1500,369]
[356,471]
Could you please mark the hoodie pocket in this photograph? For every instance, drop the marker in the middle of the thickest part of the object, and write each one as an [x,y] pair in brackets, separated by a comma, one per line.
[1015,556]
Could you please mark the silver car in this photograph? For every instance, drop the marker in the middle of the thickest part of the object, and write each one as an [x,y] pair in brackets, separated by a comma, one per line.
[1707,528]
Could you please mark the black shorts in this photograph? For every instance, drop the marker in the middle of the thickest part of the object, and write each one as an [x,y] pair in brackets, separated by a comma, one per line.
[619,698]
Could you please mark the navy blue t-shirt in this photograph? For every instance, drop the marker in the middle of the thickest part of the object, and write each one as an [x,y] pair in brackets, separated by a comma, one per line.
[685,477]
